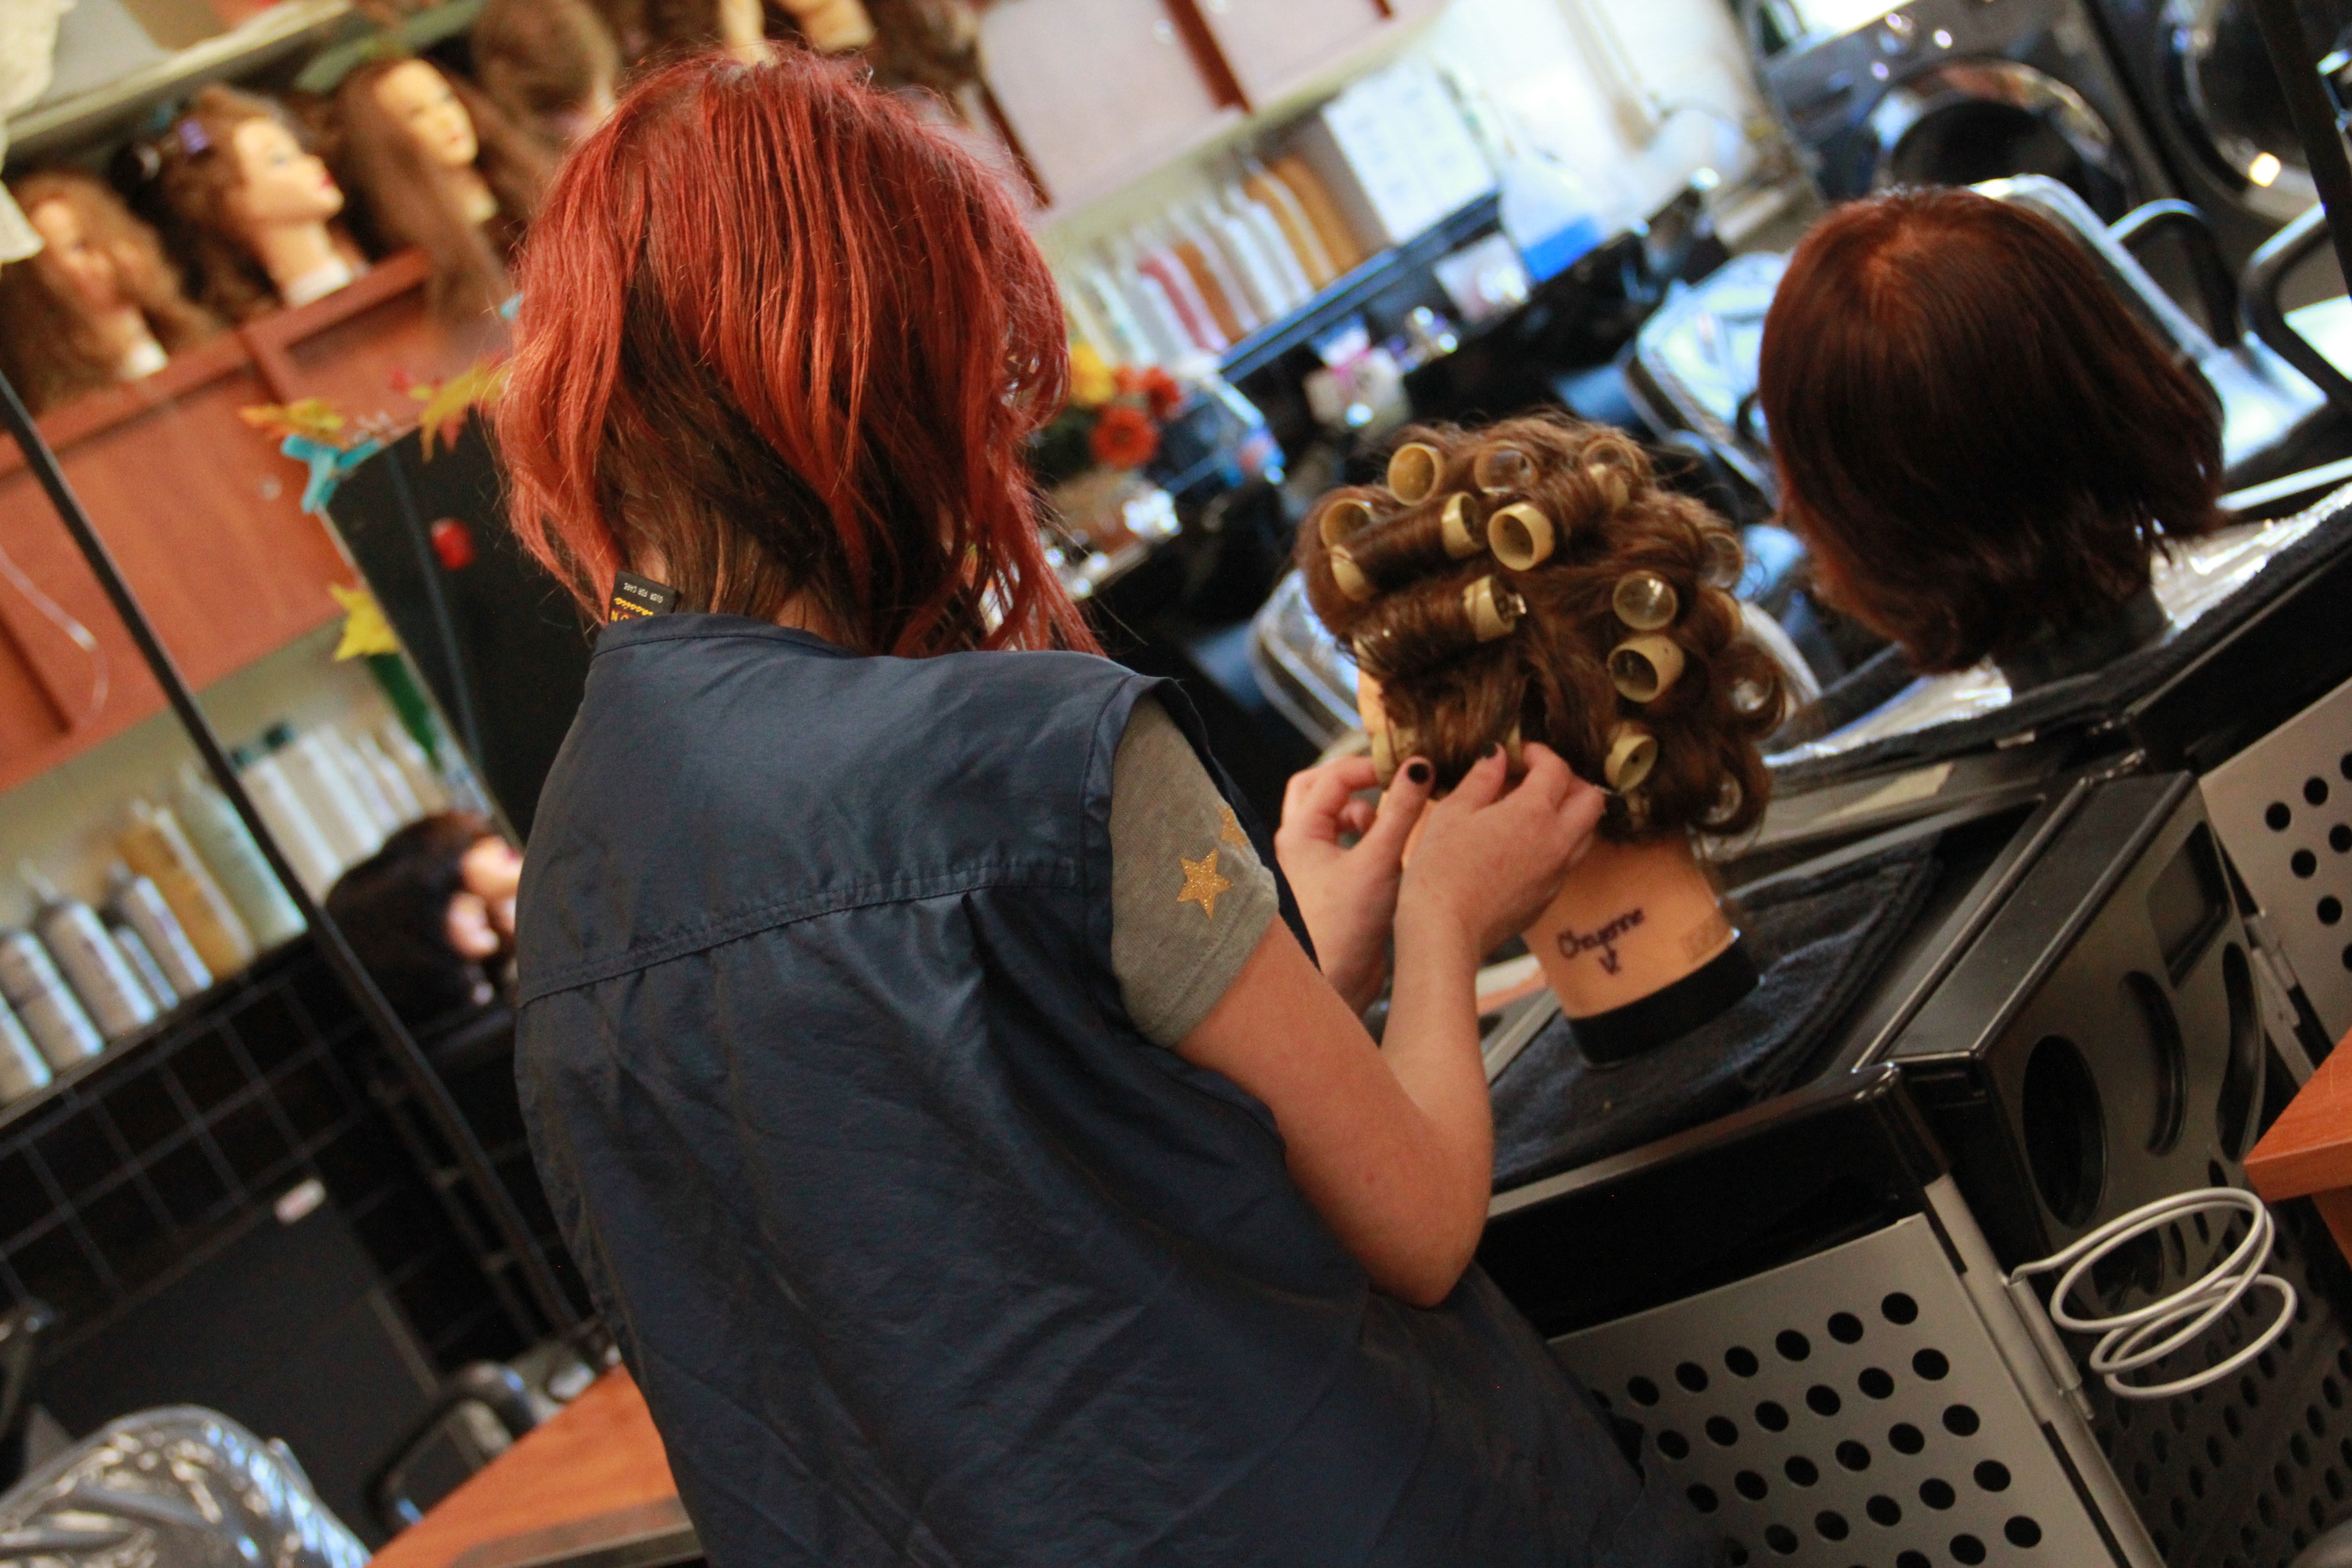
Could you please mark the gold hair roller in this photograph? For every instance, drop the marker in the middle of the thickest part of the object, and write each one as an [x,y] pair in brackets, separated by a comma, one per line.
[1645,601]
[1390,749]
[1493,609]
[1615,483]
[1498,470]
[1348,576]
[1632,752]
[1521,536]
[1414,470]
[1644,668]
[1341,517]
[1459,528]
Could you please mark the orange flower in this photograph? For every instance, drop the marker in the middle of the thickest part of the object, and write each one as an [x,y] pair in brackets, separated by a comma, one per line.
[1123,437]
[1160,389]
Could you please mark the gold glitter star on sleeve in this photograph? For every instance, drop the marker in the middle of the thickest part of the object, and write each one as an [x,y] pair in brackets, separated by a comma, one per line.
[1203,883]
[1231,833]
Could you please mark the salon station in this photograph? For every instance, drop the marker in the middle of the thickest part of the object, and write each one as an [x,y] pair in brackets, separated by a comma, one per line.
[1870,489]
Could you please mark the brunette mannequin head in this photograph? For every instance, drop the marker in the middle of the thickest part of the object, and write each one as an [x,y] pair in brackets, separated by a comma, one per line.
[655,32]
[1613,642]
[100,283]
[436,165]
[551,64]
[928,44]
[252,196]
[1979,442]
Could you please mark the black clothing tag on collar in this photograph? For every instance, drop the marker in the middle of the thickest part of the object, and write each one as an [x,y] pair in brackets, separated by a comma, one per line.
[635,597]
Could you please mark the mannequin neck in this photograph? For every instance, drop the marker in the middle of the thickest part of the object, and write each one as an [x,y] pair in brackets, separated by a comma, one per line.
[289,251]
[479,202]
[128,342]
[1632,919]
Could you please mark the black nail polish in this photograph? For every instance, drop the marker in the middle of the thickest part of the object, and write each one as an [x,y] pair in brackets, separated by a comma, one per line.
[1418,773]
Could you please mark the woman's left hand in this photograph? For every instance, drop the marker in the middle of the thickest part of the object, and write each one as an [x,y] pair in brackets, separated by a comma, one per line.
[1348,896]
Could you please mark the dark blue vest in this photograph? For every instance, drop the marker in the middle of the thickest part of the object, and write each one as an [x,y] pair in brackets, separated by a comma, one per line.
[918,1251]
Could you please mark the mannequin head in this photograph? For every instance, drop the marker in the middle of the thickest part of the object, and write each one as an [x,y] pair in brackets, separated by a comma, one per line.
[234,171]
[1564,648]
[437,166]
[428,910]
[551,64]
[655,32]
[932,44]
[1978,440]
[70,313]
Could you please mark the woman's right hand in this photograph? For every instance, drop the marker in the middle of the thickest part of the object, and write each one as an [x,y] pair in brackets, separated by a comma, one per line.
[1492,855]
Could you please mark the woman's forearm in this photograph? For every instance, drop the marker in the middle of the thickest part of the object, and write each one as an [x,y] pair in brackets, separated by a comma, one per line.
[1431,1043]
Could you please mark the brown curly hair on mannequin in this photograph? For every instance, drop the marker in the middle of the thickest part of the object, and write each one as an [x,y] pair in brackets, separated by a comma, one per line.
[51,351]
[198,178]
[550,64]
[1552,660]
[403,198]
[928,44]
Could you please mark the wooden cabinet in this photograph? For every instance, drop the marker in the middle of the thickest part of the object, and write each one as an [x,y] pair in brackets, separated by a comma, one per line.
[1270,45]
[1098,91]
[200,509]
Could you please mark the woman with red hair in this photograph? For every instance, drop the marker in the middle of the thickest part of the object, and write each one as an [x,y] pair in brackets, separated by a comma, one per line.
[923,1056]
[1981,445]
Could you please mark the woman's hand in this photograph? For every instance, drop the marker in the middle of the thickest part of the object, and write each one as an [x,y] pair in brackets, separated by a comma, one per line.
[1349,897]
[1490,859]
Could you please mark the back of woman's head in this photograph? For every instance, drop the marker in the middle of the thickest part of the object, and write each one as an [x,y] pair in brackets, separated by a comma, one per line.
[786,339]
[1976,435]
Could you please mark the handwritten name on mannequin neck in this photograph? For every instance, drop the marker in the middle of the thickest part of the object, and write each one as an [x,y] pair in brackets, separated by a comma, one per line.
[1631,921]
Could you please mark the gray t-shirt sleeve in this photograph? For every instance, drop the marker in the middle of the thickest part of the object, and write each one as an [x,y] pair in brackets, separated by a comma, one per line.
[1190,899]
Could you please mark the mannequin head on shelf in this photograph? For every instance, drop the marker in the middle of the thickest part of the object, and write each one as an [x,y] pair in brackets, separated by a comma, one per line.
[431,912]
[256,202]
[98,304]
[551,64]
[928,44]
[436,165]
[1532,581]
[1979,440]
[655,32]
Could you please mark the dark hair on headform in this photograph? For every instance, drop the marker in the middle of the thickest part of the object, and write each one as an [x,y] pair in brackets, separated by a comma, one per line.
[1977,437]
[787,337]
[394,909]
[1549,677]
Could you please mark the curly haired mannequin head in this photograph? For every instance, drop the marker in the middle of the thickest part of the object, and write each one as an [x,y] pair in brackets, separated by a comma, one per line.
[99,304]
[1532,581]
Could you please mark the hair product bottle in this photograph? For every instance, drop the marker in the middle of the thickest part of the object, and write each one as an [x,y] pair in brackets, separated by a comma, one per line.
[22,1070]
[320,780]
[133,902]
[389,780]
[236,861]
[143,964]
[415,766]
[48,1009]
[77,939]
[297,831]
[154,846]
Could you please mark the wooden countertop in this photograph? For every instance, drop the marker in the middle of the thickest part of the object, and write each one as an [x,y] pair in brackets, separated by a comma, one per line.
[597,1462]
[2308,1149]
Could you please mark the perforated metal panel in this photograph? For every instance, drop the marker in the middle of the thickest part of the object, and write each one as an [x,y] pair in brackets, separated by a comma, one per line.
[2248,1472]
[1852,1408]
[2283,809]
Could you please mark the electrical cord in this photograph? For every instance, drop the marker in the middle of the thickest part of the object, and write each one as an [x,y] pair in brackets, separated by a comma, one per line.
[2146,1334]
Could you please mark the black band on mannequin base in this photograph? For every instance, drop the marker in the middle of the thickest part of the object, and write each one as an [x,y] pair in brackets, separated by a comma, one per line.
[1664,1016]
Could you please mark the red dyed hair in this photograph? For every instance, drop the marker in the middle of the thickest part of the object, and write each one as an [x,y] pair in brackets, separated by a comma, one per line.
[786,339]
[1975,435]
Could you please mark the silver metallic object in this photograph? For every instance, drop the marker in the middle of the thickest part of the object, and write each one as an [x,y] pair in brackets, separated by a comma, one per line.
[177,1487]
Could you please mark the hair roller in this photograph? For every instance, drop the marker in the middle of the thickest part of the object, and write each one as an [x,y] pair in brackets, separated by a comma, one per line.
[1342,518]
[1413,471]
[1645,668]
[1390,746]
[1493,610]
[1501,470]
[1722,559]
[1521,536]
[1616,466]
[1458,526]
[1349,576]
[1633,754]
[1645,601]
